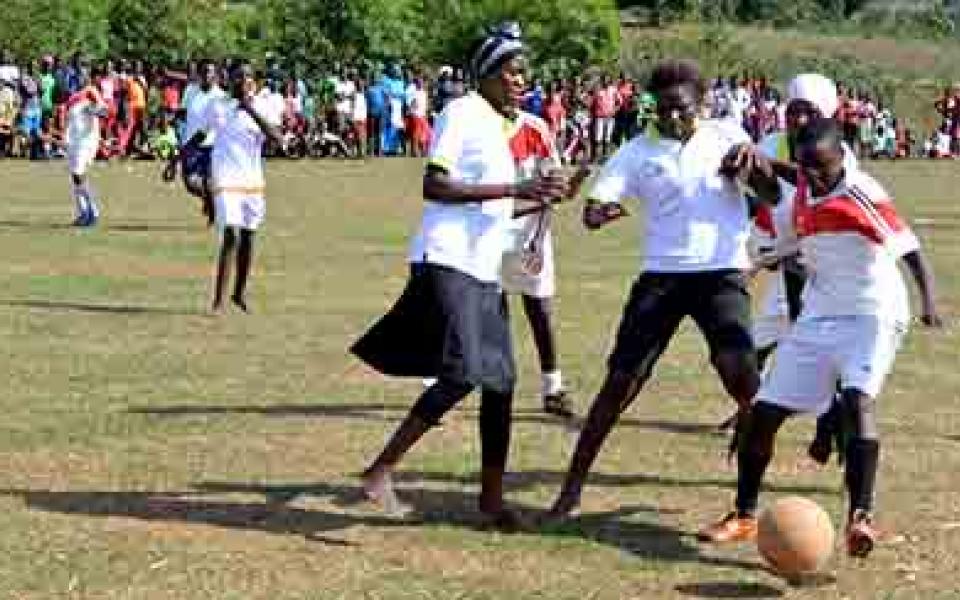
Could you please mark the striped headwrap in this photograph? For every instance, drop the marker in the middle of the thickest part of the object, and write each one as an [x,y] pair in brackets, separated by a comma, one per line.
[502,43]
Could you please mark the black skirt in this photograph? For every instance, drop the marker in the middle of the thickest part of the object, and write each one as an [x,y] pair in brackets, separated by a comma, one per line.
[445,324]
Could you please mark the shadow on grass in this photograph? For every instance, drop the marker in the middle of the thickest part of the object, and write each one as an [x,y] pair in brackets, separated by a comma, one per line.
[35,225]
[393,412]
[119,309]
[645,539]
[723,589]
[619,529]
[152,227]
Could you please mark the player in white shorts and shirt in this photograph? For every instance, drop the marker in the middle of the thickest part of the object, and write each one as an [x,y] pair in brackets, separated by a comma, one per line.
[854,315]
[528,265]
[811,96]
[84,110]
[240,129]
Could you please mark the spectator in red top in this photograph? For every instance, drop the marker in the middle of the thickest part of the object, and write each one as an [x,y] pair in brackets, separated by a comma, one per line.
[603,110]
[554,112]
[626,119]
[170,99]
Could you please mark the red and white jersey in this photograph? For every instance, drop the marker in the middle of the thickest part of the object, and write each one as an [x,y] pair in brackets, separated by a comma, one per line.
[532,147]
[83,124]
[850,241]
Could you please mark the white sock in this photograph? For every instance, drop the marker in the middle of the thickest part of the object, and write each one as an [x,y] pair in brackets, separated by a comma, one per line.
[80,199]
[428,382]
[552,383]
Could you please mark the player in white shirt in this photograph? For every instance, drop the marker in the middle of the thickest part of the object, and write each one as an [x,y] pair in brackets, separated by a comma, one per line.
[240,128]
[854,315]
[451,321]
[811,96]
[85,108]
[695,235]
[196,158]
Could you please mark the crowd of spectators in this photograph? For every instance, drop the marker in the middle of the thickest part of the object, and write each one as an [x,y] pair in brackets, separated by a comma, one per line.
[388,110]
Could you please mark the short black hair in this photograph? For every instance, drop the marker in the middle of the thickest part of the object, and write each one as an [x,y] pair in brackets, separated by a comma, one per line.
[820,131]
[673,73]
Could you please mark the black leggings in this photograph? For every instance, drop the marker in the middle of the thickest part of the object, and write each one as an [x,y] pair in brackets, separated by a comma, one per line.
[495,416]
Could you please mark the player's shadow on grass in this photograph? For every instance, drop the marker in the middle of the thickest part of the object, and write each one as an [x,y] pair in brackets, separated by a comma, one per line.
[84,307]
[527,479]
[151,227]
[276,515]
[394,412]
[726,589]
[646,539]
[34,225]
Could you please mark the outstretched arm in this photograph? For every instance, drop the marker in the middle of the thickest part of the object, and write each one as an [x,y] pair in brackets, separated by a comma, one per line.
[269,129]
[439,186]
[926,284]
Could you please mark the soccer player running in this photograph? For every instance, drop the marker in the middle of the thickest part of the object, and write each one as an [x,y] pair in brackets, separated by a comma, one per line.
[696,231]
[84,109]
[451,321]
[196,159]
[811,96]
[855,313]
[240,129]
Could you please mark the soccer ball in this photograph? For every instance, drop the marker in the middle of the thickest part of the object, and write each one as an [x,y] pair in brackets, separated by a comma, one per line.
[795,536]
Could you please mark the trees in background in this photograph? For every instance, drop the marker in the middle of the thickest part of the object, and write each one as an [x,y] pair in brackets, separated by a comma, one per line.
[305,31]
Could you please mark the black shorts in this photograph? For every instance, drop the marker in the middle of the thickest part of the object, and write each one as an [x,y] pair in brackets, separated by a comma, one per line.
[198,163]
[718,301]
[445,324]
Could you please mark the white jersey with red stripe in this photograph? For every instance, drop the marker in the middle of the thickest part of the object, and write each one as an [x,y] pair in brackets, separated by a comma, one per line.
[850,241]
[83,123]
[532,147]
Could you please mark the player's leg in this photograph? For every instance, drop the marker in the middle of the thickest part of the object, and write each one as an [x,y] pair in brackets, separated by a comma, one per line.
[78,183]
[722,312]
[495,425]
[228,245]
[427,412]
[862,454]
[872,344]
[650,319]
[758,430]
[539,315]
[800,380]
[244,259]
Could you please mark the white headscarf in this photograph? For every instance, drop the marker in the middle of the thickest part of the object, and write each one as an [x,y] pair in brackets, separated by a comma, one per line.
[816,89]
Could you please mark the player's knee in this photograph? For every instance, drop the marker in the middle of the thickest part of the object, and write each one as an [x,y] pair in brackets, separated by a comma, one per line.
[859,415]
[437,400]
[738,373]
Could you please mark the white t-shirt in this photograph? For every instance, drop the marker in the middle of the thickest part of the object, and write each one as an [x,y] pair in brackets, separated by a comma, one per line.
[359,108]
[345,91]
[196,106]
[237,159]
[740,101]
[696,220]
[851,240]
[9,73]
[470,141]
[417,102]
[83,124]
[271,105]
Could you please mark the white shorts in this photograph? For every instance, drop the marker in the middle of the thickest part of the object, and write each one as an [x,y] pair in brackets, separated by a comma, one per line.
[80,157]
[772,321]
[239,210]
[516,280]
[857,350]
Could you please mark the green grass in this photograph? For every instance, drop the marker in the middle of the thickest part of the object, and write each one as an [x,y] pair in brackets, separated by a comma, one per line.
[149,451]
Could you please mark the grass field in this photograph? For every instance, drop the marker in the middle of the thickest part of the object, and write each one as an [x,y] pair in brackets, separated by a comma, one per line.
[149,451]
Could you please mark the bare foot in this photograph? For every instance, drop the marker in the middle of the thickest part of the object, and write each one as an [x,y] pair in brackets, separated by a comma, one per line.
[378,488]
[216,309]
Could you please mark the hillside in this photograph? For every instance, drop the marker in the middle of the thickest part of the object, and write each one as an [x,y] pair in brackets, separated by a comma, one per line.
[907,73]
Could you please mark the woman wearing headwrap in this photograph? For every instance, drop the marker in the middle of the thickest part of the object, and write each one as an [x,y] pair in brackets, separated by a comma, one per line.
[451,321]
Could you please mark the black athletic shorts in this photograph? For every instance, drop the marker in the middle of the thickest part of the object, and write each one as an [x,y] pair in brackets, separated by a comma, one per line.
[718,301]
